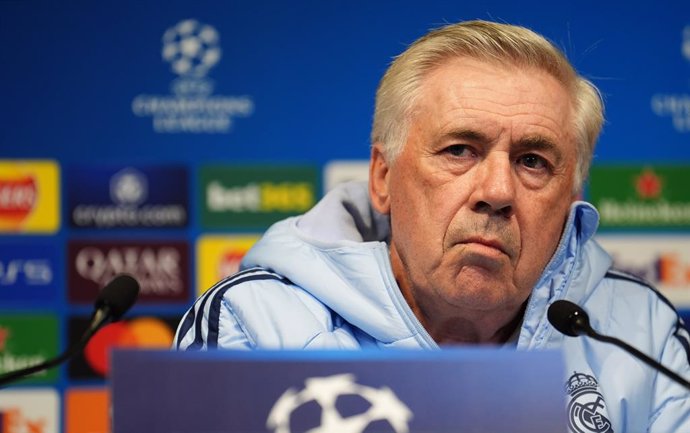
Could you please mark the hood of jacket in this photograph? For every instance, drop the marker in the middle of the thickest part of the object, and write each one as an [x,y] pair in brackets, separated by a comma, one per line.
[338,253]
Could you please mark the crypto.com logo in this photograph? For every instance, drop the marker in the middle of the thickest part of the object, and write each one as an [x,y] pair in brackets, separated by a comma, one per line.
[128,187]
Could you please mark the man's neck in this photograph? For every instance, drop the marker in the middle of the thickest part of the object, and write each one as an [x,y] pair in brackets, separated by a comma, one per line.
[466,327]
[465,331]
[453,323]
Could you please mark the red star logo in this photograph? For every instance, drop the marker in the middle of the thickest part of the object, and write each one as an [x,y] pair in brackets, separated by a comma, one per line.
[648,184]
[4,333]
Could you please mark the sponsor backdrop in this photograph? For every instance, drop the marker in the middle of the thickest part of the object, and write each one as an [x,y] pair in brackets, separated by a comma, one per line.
[162,139]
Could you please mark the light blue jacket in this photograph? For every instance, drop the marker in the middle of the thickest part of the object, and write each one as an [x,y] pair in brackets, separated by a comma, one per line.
[324,280]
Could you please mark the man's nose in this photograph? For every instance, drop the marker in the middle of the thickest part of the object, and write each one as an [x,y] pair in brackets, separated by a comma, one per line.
[494,191]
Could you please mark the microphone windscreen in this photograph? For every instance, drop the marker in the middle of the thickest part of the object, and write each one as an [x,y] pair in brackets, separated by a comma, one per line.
[563,314]
[118,295]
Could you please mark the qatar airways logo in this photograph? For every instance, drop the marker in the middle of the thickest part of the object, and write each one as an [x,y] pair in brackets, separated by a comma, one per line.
[161,268]
[192,48]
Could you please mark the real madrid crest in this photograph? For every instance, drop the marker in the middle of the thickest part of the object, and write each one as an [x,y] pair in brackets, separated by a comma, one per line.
[587,409]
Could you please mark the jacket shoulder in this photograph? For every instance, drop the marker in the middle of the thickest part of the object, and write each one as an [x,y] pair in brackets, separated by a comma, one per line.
[629,283]
[645,303]
[255,308]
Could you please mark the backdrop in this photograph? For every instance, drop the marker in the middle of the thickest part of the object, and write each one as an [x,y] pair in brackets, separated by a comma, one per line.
[161,138]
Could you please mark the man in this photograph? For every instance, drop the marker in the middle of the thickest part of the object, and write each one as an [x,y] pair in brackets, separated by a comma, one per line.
[468,230]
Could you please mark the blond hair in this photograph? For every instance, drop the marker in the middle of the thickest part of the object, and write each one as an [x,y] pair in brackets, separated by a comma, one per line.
[399,88]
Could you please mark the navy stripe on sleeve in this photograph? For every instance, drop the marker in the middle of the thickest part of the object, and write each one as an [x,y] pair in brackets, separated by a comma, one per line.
[194,317]
[186,325]
[189,318]
[214,312]
[680,332]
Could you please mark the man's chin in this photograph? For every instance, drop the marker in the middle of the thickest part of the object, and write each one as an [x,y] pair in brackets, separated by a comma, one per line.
[483,274]
[483,290]
[482,259]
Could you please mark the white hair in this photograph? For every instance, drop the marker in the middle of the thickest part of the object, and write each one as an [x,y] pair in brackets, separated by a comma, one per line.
[399,88]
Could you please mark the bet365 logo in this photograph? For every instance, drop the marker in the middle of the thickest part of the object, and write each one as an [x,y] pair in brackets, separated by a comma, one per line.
[255,197]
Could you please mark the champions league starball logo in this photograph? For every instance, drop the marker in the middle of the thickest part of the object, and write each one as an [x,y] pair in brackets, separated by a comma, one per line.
[383,406]
[587,409]
[192,49]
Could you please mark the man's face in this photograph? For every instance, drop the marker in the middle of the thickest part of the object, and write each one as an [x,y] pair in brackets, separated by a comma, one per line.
[480,192]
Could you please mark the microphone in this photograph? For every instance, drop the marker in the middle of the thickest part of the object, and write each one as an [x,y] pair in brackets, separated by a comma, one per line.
[570,319]
[113,301]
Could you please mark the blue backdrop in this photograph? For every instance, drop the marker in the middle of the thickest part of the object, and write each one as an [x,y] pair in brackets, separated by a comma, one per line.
[71,70]
[101,87]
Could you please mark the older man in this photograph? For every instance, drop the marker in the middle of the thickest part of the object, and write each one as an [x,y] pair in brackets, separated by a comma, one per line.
[468,230]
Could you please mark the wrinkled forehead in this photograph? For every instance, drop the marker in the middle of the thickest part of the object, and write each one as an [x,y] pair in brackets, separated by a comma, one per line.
[477,88]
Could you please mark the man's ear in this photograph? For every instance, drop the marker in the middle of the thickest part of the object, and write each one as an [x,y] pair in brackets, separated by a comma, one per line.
[378,180]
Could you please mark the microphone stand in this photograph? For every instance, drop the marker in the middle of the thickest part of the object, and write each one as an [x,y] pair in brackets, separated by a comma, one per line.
[571,320]
[639,355]
[99,318]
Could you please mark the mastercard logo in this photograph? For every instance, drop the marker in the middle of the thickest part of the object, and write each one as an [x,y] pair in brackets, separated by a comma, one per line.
[142,332]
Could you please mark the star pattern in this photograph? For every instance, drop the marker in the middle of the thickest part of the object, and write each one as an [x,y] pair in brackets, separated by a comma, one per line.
[648,185]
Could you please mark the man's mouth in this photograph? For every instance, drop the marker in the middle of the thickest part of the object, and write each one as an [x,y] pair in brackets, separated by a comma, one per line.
[488,242]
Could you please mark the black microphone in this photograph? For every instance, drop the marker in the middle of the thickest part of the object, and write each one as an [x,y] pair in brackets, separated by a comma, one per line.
[571,320]
[114,300]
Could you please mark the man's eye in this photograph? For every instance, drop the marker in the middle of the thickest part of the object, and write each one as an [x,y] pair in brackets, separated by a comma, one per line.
[533,161]
[459,150]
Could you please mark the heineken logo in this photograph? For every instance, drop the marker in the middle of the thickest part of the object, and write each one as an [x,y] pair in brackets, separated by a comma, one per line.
[4,333]
[26,340]
[648,185]
[642,196]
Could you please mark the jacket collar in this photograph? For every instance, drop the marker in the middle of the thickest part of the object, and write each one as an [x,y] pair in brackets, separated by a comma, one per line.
[338,253]
[565,269]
